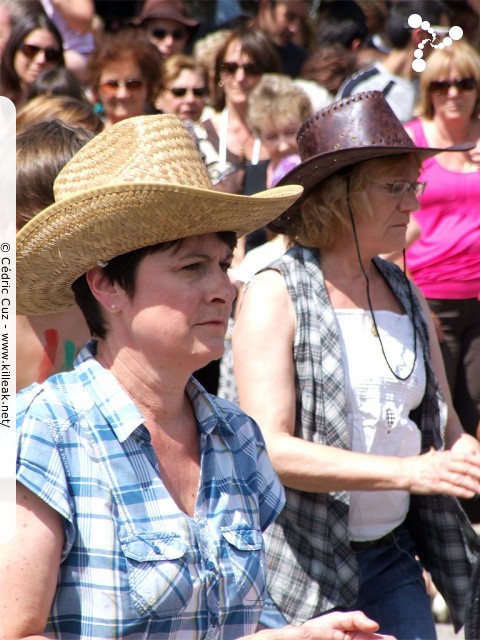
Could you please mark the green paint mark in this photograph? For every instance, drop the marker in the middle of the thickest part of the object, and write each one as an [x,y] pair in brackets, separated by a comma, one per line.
[69,350]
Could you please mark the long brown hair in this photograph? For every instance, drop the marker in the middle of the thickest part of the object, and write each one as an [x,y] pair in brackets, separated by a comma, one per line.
[253,43]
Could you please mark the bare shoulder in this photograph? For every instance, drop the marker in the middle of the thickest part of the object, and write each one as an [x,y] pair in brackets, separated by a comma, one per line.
[266,295]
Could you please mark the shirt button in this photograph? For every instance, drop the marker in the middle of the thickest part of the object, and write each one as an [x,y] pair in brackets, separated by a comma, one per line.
[210,565]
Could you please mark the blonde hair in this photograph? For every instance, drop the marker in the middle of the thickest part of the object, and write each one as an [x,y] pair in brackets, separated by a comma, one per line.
[460,56]
[277,97]
[324,215]
[175,64]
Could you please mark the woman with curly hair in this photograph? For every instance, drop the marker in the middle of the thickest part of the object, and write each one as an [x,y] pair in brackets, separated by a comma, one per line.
[125,72]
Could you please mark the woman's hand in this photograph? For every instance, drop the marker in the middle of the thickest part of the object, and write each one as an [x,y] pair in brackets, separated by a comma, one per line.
[455,472]
[466,444]
[337,625]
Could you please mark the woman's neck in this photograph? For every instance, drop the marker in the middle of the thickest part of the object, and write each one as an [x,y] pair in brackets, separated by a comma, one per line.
[159,394]
[451,131]
[344,266]
[237,112]
[444,133]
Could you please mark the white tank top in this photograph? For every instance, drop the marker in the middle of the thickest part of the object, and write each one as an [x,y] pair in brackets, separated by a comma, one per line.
[378,406]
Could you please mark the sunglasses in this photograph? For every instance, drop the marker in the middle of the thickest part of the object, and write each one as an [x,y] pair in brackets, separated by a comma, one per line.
[180,92]
[132,85]
[31,50]
[441,87]
[402,188]
[249,69]
[161,34]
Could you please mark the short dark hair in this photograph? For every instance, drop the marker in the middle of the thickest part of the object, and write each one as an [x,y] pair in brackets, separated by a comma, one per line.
[43,149]
[396,22]
[123,270]
[58,81]
[341,22]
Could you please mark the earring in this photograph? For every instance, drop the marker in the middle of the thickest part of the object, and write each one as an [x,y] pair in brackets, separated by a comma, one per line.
[220,83]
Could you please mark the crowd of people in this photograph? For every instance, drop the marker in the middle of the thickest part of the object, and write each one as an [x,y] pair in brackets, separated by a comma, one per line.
[248,331]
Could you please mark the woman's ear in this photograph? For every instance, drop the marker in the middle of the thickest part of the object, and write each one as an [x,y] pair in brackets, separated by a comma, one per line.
[109,294]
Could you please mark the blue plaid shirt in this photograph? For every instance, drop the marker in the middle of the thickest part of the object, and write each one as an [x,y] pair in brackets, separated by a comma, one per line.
[134,565]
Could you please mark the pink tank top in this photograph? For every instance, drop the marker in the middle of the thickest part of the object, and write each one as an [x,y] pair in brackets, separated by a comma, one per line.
[445,260]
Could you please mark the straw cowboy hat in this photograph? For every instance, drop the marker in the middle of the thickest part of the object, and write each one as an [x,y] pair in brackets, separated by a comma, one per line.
[136,184]
[361,127]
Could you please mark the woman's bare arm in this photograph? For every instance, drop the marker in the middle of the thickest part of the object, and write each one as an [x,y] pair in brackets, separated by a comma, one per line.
[264,370]
[29,565]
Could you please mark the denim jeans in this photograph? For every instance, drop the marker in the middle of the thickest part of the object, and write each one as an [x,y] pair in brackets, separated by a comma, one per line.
[392,592]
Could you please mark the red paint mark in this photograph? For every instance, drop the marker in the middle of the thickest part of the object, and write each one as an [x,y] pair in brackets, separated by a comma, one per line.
[48,360]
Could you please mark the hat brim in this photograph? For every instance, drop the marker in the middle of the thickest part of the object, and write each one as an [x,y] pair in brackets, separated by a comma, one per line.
[313,171]
[69,238]
[191,23]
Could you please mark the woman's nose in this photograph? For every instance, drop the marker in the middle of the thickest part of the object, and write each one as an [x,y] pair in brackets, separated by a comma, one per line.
[410,201]
[223,289]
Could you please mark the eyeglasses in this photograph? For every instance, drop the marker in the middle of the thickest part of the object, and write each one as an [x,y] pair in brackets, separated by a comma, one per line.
[161,34]
[31,50]
[132,85]
[180,92]
[402,188]
[249,69]
[441,87]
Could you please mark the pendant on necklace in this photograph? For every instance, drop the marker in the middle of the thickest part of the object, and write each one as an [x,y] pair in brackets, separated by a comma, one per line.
[374,331]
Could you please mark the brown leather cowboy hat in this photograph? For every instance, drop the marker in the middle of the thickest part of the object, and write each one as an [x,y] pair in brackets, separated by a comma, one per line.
[352,130]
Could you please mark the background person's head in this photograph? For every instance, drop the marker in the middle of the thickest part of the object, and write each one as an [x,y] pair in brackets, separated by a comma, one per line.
[43,149]
[11,11]
[58,81]
[185,90]
[77,113]
[341,22]
[205,51]
[125,73]
[460,62]
[244,57]
[397,30]
[277,107]
[35,45]
[329,66]
[283,20]
[167,25]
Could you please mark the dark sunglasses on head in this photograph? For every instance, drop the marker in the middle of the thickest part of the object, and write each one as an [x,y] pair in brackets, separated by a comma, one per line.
[249,69]
[31,50]
[180,92]
[132,85]
[161,34]
[441,87]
